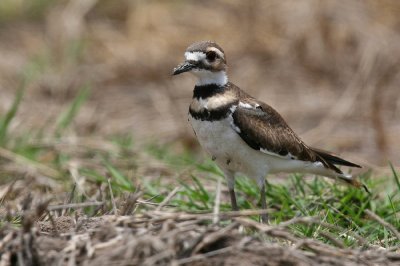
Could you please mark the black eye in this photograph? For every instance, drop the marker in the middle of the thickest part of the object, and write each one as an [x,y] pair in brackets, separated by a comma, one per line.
[211,55]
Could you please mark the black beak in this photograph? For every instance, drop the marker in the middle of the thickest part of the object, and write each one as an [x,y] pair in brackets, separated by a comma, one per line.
[184,67]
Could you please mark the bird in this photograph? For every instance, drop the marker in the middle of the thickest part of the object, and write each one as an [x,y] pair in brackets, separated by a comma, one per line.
[244,135]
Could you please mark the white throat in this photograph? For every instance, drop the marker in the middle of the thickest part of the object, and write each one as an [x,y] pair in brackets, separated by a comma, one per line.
[206,77]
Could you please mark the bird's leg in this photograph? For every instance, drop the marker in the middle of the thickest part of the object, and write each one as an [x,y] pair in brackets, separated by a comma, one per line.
[264,216]
[230,179]
[233,199]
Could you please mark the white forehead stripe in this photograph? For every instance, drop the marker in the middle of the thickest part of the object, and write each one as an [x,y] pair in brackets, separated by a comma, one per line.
[195,56]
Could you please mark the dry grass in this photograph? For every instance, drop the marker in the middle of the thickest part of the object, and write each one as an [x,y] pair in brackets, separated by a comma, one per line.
[165,238]
[78,190]
[331,67]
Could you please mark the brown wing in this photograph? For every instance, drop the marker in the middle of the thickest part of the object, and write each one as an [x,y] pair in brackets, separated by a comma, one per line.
[262,128]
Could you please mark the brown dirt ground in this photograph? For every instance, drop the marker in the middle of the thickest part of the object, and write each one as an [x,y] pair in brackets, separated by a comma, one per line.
[330,67]
[163,238]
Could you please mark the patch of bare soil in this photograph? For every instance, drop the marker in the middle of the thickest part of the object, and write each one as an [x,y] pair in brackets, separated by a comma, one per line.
[331,70]
[165,238]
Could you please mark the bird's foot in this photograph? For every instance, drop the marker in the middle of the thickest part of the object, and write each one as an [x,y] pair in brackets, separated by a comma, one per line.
[264,218]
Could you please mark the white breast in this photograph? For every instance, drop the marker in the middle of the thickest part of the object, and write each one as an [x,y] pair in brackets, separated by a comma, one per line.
[228,149]
[214,136]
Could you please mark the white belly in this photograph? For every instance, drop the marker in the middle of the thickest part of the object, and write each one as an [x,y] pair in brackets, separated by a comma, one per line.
[231,153]
[228,149]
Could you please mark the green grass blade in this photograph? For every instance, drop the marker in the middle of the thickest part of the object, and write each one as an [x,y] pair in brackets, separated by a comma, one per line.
[10,114]
[395,176]
[200,186]
[66,117]
[120,179]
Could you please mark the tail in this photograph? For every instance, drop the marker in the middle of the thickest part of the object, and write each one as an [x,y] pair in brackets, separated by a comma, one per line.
[330,161]
[333,159]
[352,181]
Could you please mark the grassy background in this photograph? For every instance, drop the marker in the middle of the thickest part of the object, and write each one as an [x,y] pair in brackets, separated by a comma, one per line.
[89,113]
[65,170]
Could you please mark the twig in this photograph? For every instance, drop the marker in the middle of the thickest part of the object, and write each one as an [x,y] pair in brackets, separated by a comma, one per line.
[217,202]
[79,180]
[71,197]
[168,253]
[383,223]
[6,239]
[313,220]
[270,230]
[162,216]
[110,242]
[20,258]
[74,205]
[333,239]
[152,203]
[131,202]
[168,198]
[148,201]
[5,192]
[205,255]
[213,237]
[112,197]
[53,224]
[320,248]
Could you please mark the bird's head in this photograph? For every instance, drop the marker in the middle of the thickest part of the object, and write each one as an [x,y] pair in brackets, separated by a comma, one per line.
[207,61]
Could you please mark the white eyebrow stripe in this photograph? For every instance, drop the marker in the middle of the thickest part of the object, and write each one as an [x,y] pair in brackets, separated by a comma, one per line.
[195,56]
[218,51]
[246,105]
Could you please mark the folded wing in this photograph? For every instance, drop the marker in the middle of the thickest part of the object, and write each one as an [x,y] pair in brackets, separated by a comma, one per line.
[263,129]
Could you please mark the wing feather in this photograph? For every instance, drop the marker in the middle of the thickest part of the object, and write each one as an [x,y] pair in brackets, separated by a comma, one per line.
[262,128]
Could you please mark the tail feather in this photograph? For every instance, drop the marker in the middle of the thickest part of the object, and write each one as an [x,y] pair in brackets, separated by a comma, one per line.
[330,161]
[334,159]
[354,182]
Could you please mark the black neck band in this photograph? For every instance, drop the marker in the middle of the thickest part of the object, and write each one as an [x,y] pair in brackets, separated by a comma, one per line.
[209,90]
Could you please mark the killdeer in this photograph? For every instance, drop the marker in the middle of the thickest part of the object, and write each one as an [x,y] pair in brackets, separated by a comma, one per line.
[244,135]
